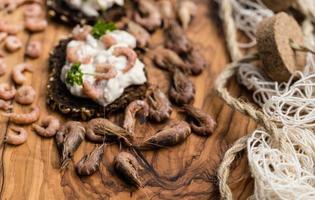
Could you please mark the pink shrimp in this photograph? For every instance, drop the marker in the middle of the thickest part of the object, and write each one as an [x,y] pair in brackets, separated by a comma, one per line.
[34,49]
[7,92]
[80,33]
[33,10]
[12,43]
[92,91]
[132,109]
[25,95]
[3,36]
[48,128]
[4,105]
[16,136]
[148,15]
[130,55]
[108,41]
[24,119]
[3,67]
[10,28]
[35,24]
[73,57]
[105,71]
[17,73]
[142,36]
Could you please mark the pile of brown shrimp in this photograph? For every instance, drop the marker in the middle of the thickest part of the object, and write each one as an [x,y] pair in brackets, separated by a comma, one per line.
[178,57]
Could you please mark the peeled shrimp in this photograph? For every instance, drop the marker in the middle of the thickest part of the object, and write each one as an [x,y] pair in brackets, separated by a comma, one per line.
[3,67]
[73,57]
[24,119]
[108,41]
[92,91]
[33,10]
[34,49]
[25,95]
[130,55]
[48,128]
[132,109]
[160,106]
[148,15]
[16,136]
[4,105]
[17,73]
[35,24]
[105,71]
[7,92]
[12,43]
[186,11]
[80,33]
[142,36]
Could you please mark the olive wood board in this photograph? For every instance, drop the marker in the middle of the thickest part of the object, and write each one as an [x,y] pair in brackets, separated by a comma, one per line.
[187,171]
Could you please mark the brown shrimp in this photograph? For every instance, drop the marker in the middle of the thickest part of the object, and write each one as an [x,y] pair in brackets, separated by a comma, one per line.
[108,41]
[48,128]
[186,11]
[24,119]
[12,43]
[68,140]
[33,10]
[171,135]
[148,15]
[129,53]
[182,90]
[196,61]
[105,71]
[3,67]
[4,105]
[73,57]
[16,136]
[92,91]
[142,36]
[160,106]
[90,163]
[35,24]
[176,39]
[80,33]
[167,11]
[34,49]
[137,106]
[169,60]
[17,73]
[100,129]
[128,167]
[201,123]
[25,95]
[7,92]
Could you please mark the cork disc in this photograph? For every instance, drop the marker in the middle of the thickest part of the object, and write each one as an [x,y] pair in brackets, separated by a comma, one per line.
[278,5]
[274,37]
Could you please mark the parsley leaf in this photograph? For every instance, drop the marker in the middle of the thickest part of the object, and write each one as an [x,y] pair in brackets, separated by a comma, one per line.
[74,75]
[101,27]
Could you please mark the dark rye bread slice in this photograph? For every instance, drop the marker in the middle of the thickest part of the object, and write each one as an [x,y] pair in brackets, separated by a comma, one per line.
[60,10]
[61,100]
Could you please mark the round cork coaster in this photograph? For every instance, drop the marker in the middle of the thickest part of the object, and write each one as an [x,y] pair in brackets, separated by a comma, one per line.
[274,42]
[278,5]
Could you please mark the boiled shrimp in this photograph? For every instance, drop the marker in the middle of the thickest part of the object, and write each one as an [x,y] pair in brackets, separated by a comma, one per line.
[167,11]
[108,41]
[186,11]
[80,33]
[90,163]
[68,140]
[182,90]
[129,53]
[128,167]
[148,15]
[7,92]
[142,36]
[200,122]
[17,73]
[4,105]
[48,128]
[3,67]
[25,95]
[171,135]
[73,57]
[196,61]
[16,136]
[35,24]
[3,36]
[100,129]
[12,43]
[92,91]
[105,71]
[176,38]
[24,119]
[160,106]
[34,49]
[33,10]
[137,106]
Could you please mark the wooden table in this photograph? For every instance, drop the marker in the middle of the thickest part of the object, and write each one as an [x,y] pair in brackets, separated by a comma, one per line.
[188,171]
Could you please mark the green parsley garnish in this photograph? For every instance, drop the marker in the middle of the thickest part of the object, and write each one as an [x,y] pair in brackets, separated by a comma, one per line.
[101,27]
[75,75]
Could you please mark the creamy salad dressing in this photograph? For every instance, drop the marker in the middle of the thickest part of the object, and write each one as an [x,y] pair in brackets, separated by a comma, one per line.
[112,88]
[91,7]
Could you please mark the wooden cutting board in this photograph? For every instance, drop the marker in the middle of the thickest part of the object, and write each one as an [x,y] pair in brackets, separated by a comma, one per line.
[188,171]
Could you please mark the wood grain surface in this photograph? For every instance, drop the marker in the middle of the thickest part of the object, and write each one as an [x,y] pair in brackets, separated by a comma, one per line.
[188,171]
